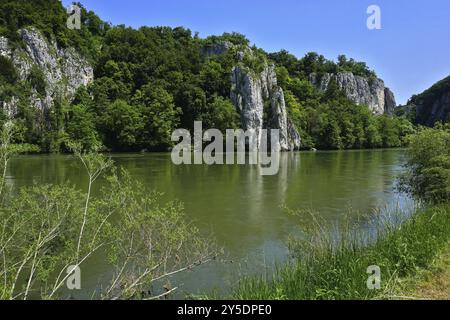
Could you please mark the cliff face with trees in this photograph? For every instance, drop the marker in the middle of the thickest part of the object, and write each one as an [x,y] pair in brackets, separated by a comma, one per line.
[431,106]
[360,90]
[129,89]
[40,75]
[260,101]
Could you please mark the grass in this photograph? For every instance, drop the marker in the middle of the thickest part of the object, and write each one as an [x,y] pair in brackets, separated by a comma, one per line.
[432,283]
[326,268]
[436,281]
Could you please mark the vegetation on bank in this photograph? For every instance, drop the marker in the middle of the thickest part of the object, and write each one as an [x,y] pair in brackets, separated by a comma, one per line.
[324,269]
[431,283]
[48,231]
[328,267]
[152,80]
[428,167]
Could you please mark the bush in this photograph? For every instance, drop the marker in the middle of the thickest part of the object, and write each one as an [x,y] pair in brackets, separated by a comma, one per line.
[8,73]
[428,166]
[46,228]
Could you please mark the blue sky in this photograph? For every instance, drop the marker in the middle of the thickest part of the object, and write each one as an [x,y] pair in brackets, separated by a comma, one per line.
[410,52]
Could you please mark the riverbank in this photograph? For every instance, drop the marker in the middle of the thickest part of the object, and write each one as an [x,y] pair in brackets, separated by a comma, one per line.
[432,283]
[338,271]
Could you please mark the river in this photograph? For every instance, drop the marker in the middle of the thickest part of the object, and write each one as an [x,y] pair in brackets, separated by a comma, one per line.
[240,208]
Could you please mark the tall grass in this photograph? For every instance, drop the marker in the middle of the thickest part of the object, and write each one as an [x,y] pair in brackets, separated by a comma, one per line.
[327,267]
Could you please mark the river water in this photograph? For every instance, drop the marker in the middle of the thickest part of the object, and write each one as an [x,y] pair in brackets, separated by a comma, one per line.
[239,207]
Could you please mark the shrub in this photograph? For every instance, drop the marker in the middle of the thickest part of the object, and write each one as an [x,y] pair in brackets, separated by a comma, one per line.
[428,166]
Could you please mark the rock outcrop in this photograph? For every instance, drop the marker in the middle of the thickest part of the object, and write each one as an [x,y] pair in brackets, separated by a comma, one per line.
[439,110]
[4,47]
[431,106]
[257,97]
[246,95]
[360,90]
[63,69]
[429,114]
[250,93]
[217,48]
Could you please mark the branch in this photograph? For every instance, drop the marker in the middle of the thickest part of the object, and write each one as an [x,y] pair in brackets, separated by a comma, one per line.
[162,295]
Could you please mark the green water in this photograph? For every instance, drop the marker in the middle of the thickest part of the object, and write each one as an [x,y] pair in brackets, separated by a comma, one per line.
[240,208]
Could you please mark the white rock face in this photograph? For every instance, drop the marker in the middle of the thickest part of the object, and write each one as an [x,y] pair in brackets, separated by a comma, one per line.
[217,48]
[294,138]
[278,117]
[360,90]
[4,47]
[246,94]
[390,103]
[250,92]
[64,69]
[75,70]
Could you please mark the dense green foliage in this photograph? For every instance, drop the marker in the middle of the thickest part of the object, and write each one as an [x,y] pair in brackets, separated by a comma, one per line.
[328,120]
[312,62]
[426,101]
[428,175]
[50,17]
[150,81]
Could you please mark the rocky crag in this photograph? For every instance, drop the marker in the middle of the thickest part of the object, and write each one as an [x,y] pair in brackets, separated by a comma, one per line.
[250,92]
[439,110]
[63,69]
[258,98]
[360,90]
[431,106]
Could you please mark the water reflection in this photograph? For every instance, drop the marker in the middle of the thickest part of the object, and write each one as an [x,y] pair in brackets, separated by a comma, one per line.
[240,207]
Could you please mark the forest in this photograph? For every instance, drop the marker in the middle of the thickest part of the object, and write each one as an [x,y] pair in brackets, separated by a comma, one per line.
[152,80]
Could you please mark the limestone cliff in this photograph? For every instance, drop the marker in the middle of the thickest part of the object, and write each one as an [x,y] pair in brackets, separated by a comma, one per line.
[250,92]
[217,48]
[360,90]
[257,96]
[63,69]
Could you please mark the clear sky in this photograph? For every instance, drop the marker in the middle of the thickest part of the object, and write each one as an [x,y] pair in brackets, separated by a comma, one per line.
[410,52]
